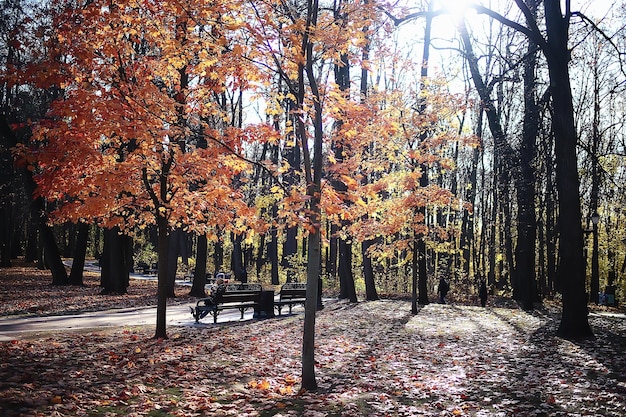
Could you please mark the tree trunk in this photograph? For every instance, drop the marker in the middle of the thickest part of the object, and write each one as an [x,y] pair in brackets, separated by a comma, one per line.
[272,250]
[80,251]
[31,242]
[527,223]
[52,256]
[6,235]
[333,251]
[51,251]
[173,251]
[290,251]
[571,271]
[237,265]
[368,272]
[467,234]
[309,382]
[114,277]
[368,268]
[313,174]
[346,278]
[218,253]
[162,249]
[199,274]
[419,245]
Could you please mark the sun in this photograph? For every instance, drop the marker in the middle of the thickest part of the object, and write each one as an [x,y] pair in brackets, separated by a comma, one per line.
[456,9]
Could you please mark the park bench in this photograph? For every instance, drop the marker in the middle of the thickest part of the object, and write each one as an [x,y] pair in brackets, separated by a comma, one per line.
[291,293]
[146,269]
[237,296]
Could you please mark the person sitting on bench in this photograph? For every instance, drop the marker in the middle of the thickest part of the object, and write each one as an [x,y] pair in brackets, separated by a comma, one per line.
[213,299]
[216,292]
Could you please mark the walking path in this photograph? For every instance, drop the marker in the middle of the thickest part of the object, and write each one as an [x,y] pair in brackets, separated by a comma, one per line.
[177,315]
[12,328]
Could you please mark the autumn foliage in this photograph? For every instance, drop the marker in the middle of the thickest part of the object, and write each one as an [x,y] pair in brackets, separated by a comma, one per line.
[148,126]
[139,129]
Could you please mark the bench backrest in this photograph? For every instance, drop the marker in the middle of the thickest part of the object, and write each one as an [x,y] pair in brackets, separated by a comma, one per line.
[239,297]
[243,288]
[241,293]
[293,290]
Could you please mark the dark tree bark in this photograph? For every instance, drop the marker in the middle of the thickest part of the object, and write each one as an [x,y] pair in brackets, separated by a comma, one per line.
[368,272]
[467,222]
[551,235]
[199,275]
[571,269]
[80,252]
[6,232]
[51,252]
[333,251]
[162,249]
[419,249]
[52,255]
[313,175]
[218,253]
[173,251]
[8,194]
[346,277]
[527,223]
[114,276]
[31,242]
[290,250]
[272,251]
[574,321]
[368,268]
[236,263]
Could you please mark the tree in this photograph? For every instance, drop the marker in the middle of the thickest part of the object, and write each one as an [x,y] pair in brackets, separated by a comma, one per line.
[123,135]
[527,222]
[571,271]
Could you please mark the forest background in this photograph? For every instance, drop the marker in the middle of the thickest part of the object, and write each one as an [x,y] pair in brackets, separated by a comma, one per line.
[365,146]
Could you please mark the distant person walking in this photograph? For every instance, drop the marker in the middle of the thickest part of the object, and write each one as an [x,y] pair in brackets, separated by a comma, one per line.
[442,290]
[482,293]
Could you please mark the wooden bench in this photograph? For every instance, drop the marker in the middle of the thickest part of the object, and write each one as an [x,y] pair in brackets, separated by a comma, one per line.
[291,293]
[237,296]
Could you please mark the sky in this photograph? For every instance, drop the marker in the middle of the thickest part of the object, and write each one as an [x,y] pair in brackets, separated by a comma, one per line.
[444,31]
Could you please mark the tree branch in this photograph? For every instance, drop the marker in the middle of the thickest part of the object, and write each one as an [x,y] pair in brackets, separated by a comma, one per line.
[606,37]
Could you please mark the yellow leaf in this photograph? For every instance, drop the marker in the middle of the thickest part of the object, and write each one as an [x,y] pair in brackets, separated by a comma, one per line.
[290,379]
[285,391]
[264,384]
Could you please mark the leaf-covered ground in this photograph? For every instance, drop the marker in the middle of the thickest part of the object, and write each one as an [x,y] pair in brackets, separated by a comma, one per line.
[373,359]
[27,291]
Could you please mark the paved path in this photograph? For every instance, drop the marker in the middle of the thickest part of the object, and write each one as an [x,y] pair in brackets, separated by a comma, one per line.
[176,315]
